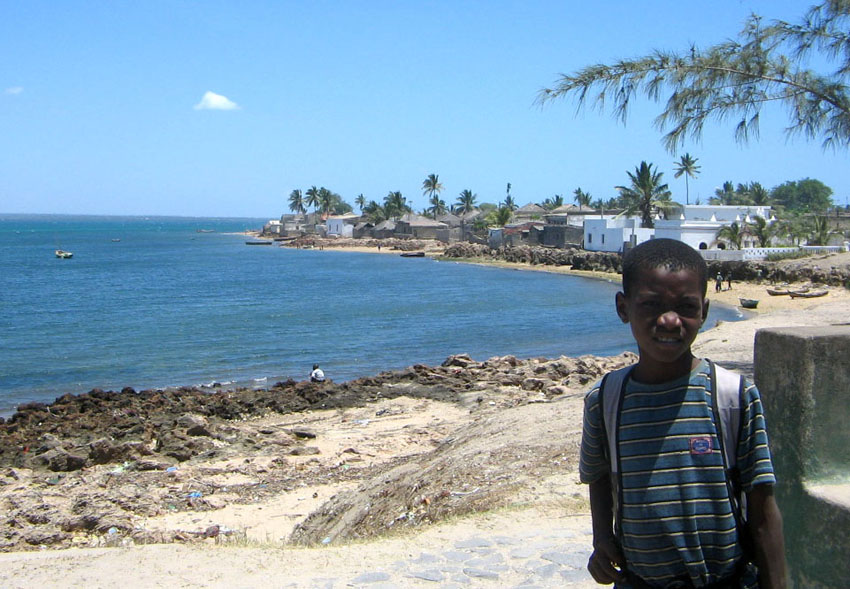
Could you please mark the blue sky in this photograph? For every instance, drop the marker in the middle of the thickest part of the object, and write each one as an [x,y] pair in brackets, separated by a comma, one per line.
[101,104]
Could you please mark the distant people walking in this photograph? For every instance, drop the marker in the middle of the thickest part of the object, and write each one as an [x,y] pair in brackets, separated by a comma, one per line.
[729,280]
[317,375]
[718,282]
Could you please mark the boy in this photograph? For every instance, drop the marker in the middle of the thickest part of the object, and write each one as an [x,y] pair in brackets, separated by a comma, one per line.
[675,525]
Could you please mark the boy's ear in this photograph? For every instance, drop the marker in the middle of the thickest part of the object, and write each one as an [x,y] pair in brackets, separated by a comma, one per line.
[622,307]
[704,309]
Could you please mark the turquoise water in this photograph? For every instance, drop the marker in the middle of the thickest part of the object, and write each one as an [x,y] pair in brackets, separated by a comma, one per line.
[168,306]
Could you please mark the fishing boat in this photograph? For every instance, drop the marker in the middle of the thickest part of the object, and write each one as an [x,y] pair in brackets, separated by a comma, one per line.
[749,303]
[808,295]
[63,254]
[778,292]
[413,255]
[258,242]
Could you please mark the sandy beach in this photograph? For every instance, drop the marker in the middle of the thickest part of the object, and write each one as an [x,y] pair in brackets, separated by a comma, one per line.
[515,435]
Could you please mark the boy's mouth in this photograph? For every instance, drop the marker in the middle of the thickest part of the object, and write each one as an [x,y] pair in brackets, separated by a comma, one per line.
[667,339]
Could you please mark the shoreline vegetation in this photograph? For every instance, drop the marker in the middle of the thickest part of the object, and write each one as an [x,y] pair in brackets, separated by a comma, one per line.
[378,467]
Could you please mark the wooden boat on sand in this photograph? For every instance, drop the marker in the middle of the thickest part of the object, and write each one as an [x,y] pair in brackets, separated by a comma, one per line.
[749,303]
[64,255]
[778,292]
[413,255]
[809,294]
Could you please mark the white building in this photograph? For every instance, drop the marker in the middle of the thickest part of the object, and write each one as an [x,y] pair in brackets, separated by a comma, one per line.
[697,226]
[342,225]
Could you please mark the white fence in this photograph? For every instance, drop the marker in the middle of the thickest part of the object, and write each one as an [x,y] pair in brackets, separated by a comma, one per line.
[761,253]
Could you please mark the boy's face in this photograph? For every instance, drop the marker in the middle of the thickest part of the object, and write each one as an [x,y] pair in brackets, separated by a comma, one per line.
[666,310]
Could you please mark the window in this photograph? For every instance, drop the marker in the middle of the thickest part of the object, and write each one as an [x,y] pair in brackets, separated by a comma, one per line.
[603,238]
[590,238]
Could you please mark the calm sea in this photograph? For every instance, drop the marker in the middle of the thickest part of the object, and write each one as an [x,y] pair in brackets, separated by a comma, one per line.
[154,302]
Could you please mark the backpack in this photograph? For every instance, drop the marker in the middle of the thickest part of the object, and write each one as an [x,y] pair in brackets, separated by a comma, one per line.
[727,394]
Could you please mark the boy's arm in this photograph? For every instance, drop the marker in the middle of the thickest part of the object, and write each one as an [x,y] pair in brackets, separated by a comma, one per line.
[765,526]
[606,562]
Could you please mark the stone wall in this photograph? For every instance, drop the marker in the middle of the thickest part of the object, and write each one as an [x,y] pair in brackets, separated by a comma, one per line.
[804,377]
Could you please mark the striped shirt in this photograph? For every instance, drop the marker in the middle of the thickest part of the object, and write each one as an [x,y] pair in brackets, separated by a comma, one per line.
[676,519]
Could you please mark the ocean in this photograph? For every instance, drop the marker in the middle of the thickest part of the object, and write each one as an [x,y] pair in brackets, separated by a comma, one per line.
[150,302]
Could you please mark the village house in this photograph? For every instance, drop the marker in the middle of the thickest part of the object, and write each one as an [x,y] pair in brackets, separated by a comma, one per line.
[341,225]
[416,226]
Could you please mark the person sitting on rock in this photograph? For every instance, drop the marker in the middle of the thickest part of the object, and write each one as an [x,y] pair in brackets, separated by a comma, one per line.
[317,375]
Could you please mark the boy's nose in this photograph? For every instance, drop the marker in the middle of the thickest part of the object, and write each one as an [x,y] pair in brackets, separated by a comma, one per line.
[669,319]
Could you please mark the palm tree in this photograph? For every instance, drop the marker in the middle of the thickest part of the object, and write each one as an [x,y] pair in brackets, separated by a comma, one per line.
[510,204]
[763,230]
[687,165]
[296,202]
[759,194]
[360,201]
[820,231]
[438,206]
[582,198]
[733,233]
[599,204]
[466,201]
[395,205]
[553,203]
[645,193]
[326,200]
[501,216]
[375,212]
[431,186]
[312,199]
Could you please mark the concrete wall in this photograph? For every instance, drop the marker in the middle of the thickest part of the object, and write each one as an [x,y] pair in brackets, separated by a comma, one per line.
[804,377]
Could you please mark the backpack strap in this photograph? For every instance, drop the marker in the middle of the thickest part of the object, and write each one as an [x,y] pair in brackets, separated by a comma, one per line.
[727,390]
[727,400]
[610,394]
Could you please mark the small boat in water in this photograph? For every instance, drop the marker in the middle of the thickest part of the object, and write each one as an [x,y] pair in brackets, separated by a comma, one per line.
[413,255]
[749,303]
[257,242]
[62,254]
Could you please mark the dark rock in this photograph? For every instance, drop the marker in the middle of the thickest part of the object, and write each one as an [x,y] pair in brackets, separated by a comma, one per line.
[60,460]
[304,451]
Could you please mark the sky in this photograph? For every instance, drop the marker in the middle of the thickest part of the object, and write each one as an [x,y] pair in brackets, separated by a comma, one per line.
[221,108]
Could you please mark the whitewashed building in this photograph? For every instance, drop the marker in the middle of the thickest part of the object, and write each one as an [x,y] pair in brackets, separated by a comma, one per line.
[342,225]
[697,225]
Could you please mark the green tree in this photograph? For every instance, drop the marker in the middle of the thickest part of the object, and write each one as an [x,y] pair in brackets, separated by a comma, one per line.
[804,196]
[550,204]
[733,233]
[296,202]
[582,198]
[360,201]
[687,165]
[375,212]
[820,231]
[509,203]
[431,186]
[599,205]
[395,205]
[734,79]
[312,199]
[646,194]
[500,217]
[759,194]
[438,206]
[763,231]
[466,202]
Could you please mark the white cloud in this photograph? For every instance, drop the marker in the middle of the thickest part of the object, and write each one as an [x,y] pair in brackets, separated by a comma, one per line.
[213,101]
[14,90]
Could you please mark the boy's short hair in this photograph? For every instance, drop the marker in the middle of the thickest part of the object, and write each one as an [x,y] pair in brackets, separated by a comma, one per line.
[671,254]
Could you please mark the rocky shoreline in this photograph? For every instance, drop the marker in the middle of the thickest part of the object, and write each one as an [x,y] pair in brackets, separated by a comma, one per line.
[90,469]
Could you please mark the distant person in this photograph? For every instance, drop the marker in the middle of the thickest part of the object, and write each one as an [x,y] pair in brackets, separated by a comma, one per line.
[317,375]
[718,282]
[664,508]
[729,280]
